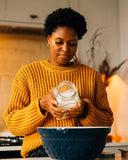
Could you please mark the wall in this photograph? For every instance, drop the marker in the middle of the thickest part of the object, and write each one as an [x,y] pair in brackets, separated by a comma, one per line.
[101,14]
[118,88]
[15,51]
[117,95]
[123,28]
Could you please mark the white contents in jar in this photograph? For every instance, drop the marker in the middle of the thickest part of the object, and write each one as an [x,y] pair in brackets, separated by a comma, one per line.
[66,94]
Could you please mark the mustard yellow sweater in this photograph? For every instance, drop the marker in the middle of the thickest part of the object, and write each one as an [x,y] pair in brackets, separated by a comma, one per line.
[33,81]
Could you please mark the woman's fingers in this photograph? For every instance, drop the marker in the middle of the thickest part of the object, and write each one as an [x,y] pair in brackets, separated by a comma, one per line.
[81,110]
[49,104]
[73,112]
[52,101]
[57,112]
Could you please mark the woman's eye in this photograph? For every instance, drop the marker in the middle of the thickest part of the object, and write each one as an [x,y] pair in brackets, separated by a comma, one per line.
[69,44]
[59,42]
[72,44]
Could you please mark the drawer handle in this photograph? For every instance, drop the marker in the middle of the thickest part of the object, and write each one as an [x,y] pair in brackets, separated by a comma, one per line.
[33,16]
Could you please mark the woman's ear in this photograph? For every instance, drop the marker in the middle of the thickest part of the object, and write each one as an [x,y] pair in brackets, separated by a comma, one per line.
[48,39]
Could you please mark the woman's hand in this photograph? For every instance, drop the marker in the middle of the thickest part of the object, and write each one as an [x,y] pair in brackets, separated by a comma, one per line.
[48,103]
[79,111]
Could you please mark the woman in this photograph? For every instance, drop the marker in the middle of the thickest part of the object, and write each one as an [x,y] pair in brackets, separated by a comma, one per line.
[31,103]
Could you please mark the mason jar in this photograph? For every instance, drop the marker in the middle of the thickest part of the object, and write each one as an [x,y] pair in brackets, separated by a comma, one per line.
[66,95]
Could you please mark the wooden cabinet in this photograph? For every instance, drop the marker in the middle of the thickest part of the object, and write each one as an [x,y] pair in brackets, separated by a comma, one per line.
[28,12]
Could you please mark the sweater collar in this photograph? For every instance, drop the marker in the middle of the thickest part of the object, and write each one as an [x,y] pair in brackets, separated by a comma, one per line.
[54,68]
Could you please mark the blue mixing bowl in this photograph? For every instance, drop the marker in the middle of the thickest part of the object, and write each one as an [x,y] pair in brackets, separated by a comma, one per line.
[74,143]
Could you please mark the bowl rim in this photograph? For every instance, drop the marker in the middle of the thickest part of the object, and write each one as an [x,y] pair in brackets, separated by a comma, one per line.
[76,127]
[79,130]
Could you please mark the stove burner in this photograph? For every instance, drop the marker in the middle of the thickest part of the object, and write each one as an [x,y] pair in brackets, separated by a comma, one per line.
[11,141]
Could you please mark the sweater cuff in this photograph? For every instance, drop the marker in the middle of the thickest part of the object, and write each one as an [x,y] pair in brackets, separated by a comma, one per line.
[42,111]
[38,110]
[86,108]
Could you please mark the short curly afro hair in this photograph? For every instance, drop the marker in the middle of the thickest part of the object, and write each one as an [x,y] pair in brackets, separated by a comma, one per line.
[65,17]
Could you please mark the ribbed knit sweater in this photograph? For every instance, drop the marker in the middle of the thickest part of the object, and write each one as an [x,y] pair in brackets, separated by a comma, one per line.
[33,81]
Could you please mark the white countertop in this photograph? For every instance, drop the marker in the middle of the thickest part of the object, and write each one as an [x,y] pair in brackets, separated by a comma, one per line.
[16,148]
[115,144]
[10,148]
[111,145]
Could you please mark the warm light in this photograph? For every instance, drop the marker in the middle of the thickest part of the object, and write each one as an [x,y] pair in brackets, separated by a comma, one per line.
[118,96]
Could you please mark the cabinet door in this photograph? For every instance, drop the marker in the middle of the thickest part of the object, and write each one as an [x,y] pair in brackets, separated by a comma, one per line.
[32,11]
[2,9]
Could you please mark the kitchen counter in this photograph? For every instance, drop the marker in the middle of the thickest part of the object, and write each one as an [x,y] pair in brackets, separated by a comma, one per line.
[10,152]
[108,145]
[115,146]
[117,157]
[109,148]
[10,148]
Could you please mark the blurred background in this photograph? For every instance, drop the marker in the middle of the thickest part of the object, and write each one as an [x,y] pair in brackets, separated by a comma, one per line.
[22,41]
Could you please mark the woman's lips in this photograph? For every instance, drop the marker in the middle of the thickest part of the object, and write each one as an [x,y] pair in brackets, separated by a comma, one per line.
[64,55]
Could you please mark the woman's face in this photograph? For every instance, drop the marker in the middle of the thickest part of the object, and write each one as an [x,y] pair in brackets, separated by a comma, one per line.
[63,45]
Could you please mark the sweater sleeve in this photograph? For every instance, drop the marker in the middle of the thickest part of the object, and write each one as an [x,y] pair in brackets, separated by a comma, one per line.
[22,116]
[99,112]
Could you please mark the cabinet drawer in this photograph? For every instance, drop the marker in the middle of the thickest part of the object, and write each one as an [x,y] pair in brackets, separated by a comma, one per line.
[29,12]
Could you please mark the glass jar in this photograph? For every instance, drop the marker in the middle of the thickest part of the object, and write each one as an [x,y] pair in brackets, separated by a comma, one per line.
[66,95]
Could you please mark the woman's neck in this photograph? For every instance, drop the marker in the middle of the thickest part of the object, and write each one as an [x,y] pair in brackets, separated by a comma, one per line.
[61,65]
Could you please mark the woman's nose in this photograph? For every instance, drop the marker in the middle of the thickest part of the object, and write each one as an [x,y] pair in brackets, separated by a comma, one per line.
[65,47]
